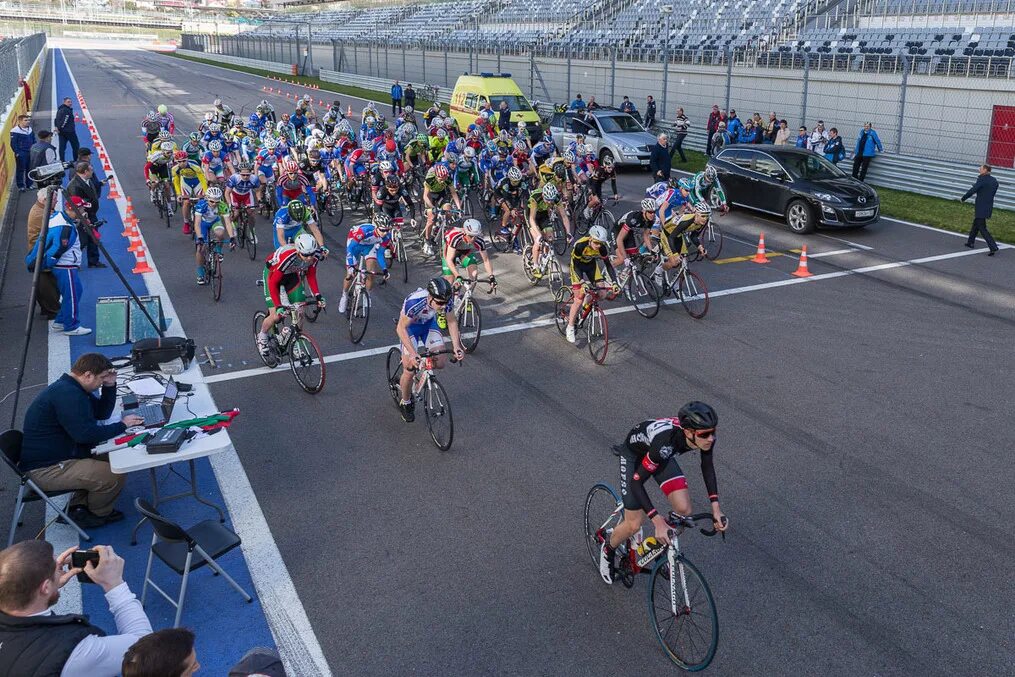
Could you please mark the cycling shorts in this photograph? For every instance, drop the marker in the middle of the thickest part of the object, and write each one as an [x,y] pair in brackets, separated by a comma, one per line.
[288,232]
[356,169]
[668,476]
[460,262]
[267,171]
[291,290]
[191,188]
[160,170]
[426,334]
[207,226]
[585,271]
[217,170]
[241,200]
[354,251]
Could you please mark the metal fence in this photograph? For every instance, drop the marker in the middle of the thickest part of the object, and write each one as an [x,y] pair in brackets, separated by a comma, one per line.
[16,56]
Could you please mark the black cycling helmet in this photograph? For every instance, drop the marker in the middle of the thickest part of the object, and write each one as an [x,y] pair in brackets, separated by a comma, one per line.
[440,289]
[697,416]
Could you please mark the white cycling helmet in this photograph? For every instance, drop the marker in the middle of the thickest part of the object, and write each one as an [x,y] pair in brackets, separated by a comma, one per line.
[386,166]
[550,193]
[407,110]
[271,143]
[569,157]
[208,117]
[448,123]
[213,193]
[648,205]
[514,175]
[215,146]
[469,152]
[305,244]
[214,127]
[599,234]
[472,227]
[371,120]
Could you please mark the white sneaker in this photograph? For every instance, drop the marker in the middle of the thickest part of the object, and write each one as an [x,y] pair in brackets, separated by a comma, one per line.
[604,566]
[343,303]
[263,346]
[569,334]
[427,249]
[56,326]
[80,331]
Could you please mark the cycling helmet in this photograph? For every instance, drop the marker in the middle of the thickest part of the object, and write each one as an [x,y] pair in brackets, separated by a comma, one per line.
[441,134]
[214,128]
[261,110]
[502,151]
[307,98]
[305,244]
[598,233]
[472,227]
[421,138]
[697,416]
[386,166]
[491,147]
[504,134]
[213,193]
[264,102]
[180,156]
[457,146]
[167,146]
[648,205]
[370,121]
[217,103]
[685,184]
[392,182]
[569,157]
[520,146]
[710,173]
[195,137]
[240,123]
[550,193]
[271,143]
[441,172]
[314,154]
[297,210]
[328,141]
[560,171]
[244,166]
[521,125]
[152,117]
[407,110]
[162,109]
[469,152]
[343,131]
[289,167]
[514,175]
[451,158]
[382,221]
[164,135]
[215,146]
[579,138]
[439,289]
[390,146]
[608,161]
[703,208]
[448,123]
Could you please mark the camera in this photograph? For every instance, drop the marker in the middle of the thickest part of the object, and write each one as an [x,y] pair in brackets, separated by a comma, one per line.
[78,560]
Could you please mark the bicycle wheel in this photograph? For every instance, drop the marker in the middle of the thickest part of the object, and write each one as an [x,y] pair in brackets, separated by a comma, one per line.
[597,334]
[403,257]
[501,242]
[562,308]
[559,238]
[601,516]
[528,267]
[359,314]
[271,361]
[335,209]
[438,414]
[307,363]
[251,238]
[643,294]
[167,202]
[606,219]
[470,320]
[712,239]
[554,276]
[394,373]
[216,276]
[690,635]
[693,294]
[468,205]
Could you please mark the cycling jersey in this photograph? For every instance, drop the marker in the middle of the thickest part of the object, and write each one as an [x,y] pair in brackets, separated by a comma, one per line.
[215,161]
[205,217]
[703,191]
[415,148]
[680,230]
[194,151]
[650,450]
[290,226]
[455,238]
[511,194]
[238,185]
[435,185]
[466,174]
[597,177]
[188,176]
[418,309]
[364,241]
[285,268]
[584,257]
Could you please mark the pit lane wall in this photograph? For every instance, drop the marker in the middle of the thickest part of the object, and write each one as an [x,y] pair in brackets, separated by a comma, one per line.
[29,50]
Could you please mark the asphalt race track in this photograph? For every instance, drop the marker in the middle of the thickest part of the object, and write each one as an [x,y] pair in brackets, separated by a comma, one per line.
[864,454]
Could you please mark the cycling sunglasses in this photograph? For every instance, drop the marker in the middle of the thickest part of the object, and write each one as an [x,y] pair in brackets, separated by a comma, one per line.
[706,434]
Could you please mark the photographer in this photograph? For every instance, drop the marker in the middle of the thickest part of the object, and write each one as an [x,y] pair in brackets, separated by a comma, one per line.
[36,641]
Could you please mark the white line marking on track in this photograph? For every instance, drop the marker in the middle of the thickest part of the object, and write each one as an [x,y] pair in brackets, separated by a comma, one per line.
[851,244]
[836,252]
[294,635]
[938,230]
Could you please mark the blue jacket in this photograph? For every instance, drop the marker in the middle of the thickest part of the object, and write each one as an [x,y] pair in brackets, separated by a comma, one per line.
[871,145]
[801,141]
[733,126]
[396,91]
[63,423]
[834,150]
[58,240]
[985,188]
[577,104]
[22,140]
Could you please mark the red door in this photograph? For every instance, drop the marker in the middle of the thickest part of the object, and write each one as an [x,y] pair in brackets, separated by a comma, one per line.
[1001,151]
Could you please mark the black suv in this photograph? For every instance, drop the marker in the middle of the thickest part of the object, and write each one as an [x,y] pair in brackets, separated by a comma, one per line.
[794,183]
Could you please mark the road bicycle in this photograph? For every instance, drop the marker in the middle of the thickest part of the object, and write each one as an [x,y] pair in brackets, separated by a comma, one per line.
[399,255]
[444,220]
[681,607]
[164,200]
[545,267]
[466,195]
[246,234]
[560,238]
[469,313]
[333,202]
[267,205]
[426,389]
[504,242]
[590,317]
[213,260]
[639,289]
[584,216]
[357,310]
[287,339]
[688,287]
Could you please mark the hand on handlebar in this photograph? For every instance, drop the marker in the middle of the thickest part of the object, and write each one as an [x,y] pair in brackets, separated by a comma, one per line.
[662,529]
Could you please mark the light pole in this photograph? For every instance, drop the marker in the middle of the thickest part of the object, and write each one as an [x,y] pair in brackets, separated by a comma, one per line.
[666,11]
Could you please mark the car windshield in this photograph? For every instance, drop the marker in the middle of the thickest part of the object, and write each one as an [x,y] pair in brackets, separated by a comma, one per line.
[616,124]
[514,102]
[811,167]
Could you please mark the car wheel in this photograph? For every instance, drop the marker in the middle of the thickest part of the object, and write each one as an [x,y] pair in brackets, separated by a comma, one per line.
[800,217]
[606,153]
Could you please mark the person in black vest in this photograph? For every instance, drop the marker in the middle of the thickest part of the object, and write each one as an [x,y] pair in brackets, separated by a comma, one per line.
[650,114]
[985,188]
[36,642]
[64,123]
[43,152]
[85,186]
[410,96]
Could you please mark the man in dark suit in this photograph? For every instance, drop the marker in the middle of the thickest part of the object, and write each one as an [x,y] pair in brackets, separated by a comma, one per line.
[82,185]
[660,162]
[985,188]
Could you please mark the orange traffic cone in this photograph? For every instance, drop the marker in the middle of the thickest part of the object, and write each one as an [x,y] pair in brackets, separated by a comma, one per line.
[801,270]
[348,113]
[142,263]
[320,103]
[760,256]
[113,195]
[135,243]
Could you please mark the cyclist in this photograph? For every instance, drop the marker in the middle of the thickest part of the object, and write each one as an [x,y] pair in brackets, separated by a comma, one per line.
[290,220]
[258,120]
[150,127]
[705,187]
[467,174]
[165,119]
[367,242]
[193,147]
[437,189]
[598,174]
[293,184]
[637,224]
[240,188]
[510,194]
[586,255]
[214,133]
[650,450]
[284,272]
[415,151]
[385,170]
[460,248]
[159,160]
[677,233]
[189,184]
[438,142]
[212,221]
[393,197]
[541,201]
[543,151]
[417,325]
[332,117]
[215,162]
[223,114]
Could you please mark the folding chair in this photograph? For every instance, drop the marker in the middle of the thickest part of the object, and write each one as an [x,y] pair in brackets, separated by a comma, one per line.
[10,443]
[176,547]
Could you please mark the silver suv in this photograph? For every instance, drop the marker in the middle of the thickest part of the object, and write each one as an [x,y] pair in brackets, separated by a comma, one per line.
[612,133]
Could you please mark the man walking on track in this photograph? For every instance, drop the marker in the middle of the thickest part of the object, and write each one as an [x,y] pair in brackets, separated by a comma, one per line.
[64,123]
[985,188]
[396,98]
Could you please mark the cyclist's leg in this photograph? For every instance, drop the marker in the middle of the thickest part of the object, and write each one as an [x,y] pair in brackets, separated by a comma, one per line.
[673,483]
[634,513]
[199,245]
[578,274]
[435,341]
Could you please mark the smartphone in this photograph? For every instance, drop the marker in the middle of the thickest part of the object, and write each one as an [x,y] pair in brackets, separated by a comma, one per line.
[79,558]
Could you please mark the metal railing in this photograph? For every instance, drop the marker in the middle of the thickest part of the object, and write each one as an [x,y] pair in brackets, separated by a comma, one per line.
[16,56]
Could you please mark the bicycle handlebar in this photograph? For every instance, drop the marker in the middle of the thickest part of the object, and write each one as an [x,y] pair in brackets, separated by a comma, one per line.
[687,521]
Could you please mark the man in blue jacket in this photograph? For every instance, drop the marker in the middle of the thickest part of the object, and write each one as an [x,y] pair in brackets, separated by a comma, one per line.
[64,123]
[867,146]
[396,99]
[61,427]
[22,140]
[985,188]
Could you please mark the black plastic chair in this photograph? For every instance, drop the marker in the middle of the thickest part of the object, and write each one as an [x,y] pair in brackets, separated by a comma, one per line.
[176,547]
[10,444]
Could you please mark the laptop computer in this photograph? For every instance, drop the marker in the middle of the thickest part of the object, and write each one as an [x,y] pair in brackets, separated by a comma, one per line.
[156,414]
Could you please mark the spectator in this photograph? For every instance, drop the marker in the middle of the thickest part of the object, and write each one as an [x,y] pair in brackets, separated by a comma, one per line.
[61,427]
[396,98]
[720,139]
[577,103]
[43,152]
[771,128]
[802,138]
[681,123]
[82,186]
[410,96]
[36,641]
[593,104]
[746,133]
[711,127]
[22,140]
[660,161]
[867,146]
[782,136]
[757,121]
[166,653]
[28,93]
[64,123]
[650,116]
[48,293]
[259,661]
[985,188]
[504,116]
[818,139]
[835,151]
[734,125]
[627,107]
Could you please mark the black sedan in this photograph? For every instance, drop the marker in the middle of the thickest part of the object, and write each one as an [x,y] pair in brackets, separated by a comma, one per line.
[796,184]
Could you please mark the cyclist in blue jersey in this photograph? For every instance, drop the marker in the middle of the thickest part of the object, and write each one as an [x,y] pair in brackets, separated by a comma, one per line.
[290,220]
[240,188]
[211,222]
[543,151]
[366,241]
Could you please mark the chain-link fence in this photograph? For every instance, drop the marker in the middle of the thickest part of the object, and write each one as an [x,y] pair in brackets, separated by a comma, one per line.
[936,109]
[16,56]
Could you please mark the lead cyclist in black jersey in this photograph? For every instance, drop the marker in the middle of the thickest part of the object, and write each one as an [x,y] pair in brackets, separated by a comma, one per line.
[650,450]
